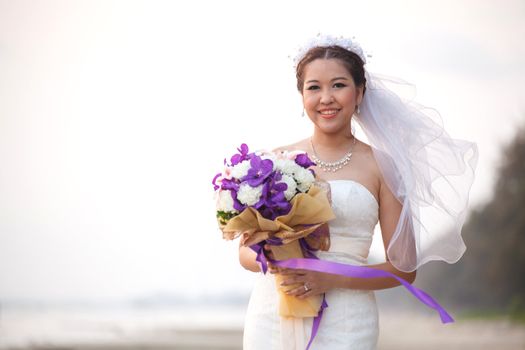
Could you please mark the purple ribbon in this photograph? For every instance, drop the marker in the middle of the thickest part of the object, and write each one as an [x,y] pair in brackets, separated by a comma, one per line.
[363,272]
[261,258]
[312,263]
[317,321]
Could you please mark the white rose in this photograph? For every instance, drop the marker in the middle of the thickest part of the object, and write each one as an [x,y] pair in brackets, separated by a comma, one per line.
[305,178]
[241,170]
[292,186]
[249,195]
[225,201]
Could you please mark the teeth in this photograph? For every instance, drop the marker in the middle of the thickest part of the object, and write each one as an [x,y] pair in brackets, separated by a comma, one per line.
[331,111]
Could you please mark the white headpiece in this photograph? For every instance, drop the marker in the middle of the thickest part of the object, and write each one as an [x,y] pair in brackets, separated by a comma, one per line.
[429,172]
[321,40]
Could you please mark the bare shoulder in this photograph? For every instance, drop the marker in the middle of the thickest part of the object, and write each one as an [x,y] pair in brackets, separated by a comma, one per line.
[365,169]
[297,146]
[372,166]
[368,160]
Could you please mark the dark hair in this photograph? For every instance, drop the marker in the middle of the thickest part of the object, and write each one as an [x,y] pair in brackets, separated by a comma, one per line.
[352,62]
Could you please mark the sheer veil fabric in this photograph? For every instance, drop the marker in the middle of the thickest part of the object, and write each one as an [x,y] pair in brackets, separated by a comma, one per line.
[429,172]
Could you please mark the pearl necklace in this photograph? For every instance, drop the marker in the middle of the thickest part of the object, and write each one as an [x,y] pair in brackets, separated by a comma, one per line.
[332,166]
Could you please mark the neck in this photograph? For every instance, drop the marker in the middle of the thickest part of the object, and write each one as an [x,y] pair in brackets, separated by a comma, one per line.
[332,141]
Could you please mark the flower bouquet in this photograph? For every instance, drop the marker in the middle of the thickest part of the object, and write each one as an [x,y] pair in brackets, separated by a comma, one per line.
[273,198]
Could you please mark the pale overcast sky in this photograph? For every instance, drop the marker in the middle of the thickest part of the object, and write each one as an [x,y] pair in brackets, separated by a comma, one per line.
[115,115]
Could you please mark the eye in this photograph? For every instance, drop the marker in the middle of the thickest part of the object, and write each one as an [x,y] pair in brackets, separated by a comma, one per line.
[312,87]
[339,85]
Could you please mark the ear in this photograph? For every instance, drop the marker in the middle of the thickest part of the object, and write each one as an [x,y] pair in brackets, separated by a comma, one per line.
[359,94]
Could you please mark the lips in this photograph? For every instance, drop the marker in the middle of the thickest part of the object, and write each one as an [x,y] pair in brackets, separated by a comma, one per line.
[328,113]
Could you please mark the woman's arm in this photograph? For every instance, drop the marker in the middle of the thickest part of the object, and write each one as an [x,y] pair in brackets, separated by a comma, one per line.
[247,259]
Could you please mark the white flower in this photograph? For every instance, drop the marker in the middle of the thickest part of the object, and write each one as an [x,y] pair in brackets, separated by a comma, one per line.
[287,166]
[292,154]
[225,201]
[305,178]
[241,170]
[267,155]
[249,195]
[292,186]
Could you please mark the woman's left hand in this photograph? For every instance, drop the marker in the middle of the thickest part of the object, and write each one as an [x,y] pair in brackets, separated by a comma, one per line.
[311,282]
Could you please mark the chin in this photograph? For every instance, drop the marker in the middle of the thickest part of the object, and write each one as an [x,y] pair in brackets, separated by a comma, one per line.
[332,129]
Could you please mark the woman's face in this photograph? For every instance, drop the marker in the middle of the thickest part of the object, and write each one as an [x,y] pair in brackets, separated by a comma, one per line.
[330,95]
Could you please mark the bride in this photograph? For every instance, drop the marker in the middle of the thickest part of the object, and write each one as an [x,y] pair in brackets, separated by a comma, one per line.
[391,182]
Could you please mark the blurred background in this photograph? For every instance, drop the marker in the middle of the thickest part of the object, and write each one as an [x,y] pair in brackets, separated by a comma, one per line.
[115,116]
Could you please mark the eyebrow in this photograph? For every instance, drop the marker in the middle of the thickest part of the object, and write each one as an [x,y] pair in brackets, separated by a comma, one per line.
[334,79]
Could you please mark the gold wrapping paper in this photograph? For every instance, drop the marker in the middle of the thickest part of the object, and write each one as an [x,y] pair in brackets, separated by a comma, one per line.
[290,306]
[310,211]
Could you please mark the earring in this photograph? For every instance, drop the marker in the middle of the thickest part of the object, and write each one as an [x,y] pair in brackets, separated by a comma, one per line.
[302,115]
[357,110]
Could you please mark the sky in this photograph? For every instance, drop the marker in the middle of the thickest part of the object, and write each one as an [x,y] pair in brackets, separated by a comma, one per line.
[115,115]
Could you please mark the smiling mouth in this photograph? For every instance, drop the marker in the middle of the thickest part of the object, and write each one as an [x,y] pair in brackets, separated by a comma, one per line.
[328,113]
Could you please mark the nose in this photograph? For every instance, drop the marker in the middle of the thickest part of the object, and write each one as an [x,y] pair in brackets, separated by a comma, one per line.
[326,97]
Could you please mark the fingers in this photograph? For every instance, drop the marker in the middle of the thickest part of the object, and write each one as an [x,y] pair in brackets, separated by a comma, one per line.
[302,285]
[286,271]
[306,294]
[302,291]
[291,280]
[273,269]
[291,274]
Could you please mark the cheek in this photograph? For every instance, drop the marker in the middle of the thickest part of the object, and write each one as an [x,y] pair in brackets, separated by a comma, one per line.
[348,98]
[309,101]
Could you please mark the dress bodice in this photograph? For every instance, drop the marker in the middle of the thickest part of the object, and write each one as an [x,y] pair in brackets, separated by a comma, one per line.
[351,319]
[351,232]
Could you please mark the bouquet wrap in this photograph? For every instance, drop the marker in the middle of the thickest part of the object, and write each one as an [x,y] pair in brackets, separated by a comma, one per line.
[309,213]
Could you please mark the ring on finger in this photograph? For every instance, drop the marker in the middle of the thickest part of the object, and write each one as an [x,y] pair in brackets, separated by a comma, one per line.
[306,288]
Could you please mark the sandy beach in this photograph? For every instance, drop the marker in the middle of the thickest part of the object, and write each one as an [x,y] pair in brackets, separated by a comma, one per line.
[222,330]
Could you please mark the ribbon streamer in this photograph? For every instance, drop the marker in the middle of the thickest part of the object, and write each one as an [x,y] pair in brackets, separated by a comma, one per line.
[363,272]
[313,263]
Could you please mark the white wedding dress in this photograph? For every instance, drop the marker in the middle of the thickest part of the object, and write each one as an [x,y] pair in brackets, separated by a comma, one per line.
[351,319]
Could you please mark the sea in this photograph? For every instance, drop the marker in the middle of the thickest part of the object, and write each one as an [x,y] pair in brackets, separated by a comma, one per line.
[100,326]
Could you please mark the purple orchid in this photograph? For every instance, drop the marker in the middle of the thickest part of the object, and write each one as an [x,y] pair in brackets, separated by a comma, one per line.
[236,204]
[275,203]
[303,161]
[242,155]
[214,181]
[231,185]
[259,171]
